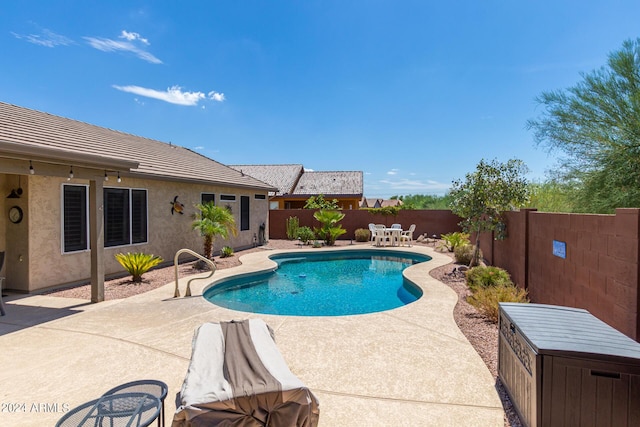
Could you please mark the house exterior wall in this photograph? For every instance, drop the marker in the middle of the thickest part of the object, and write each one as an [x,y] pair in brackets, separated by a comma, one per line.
[38,239]
[15,242]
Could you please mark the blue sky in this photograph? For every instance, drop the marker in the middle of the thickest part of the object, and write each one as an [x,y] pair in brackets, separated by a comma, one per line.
[412,93]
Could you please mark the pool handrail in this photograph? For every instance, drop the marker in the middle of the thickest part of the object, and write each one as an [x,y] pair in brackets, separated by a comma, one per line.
[187,292]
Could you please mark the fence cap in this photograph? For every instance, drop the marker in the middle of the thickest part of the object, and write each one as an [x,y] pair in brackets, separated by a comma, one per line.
[566,331]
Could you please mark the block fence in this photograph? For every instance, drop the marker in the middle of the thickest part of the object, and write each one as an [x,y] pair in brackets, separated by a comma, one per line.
[427,221]
[577,260]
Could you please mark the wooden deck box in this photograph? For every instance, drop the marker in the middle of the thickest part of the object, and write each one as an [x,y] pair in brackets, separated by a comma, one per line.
[562,366]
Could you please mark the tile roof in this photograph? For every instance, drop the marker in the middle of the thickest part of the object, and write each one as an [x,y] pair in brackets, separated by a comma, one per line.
[379,203]
[282,177]
[294,180]
[33,130]
[336,183]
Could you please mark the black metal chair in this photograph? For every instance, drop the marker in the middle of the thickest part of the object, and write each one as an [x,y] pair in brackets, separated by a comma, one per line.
[131,409]
[154,387]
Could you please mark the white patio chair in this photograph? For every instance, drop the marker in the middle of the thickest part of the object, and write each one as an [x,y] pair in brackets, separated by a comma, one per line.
[407,235]
[396,226]
[372,230]
[381,237]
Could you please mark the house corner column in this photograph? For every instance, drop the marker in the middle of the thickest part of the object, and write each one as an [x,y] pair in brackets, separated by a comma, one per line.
[96,231]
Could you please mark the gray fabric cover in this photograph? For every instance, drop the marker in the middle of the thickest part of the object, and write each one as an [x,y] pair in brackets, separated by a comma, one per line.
[237,377]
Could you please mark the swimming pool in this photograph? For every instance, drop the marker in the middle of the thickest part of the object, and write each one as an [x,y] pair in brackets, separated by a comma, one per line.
[328,283]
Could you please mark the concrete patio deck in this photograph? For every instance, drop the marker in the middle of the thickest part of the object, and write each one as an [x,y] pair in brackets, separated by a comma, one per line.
[409,366]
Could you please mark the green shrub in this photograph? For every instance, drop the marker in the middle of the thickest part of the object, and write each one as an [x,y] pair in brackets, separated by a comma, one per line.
[486,300]
[137,263]
[451,241]
[483,277]
[362,235]
[330,228]
[293,224]
[305,234]
[226,251]
[464,253]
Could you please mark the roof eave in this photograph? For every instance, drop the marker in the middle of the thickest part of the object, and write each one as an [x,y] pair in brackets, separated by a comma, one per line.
[22,151]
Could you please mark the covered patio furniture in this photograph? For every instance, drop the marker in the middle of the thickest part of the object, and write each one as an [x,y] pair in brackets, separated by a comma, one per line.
[237,377]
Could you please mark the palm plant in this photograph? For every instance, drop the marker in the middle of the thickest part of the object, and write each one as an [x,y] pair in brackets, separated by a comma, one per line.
[329,230]
[212,221]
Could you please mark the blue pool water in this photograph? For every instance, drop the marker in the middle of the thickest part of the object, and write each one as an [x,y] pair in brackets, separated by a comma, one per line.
[323,284]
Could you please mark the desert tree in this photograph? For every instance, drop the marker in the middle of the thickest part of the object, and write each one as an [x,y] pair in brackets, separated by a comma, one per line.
[493,188]
[595,127]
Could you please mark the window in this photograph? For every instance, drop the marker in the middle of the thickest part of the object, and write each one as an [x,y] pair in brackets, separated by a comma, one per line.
[116,216]
[227,198]
[259,196]
[207,197]
[74,218]
[244,212]
[138,216]
[125,217]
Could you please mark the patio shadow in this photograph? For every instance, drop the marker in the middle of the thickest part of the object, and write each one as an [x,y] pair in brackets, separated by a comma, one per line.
[24,311]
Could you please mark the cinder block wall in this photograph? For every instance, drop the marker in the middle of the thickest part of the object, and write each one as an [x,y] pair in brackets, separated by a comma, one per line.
[600,272]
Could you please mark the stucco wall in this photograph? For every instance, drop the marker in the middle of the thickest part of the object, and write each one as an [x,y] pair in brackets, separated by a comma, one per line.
[15,242]
[167,232]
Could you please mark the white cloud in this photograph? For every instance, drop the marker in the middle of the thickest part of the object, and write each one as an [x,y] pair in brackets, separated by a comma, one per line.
[47,39]
[173,95]
[133,36]
[215,96]
[129,45]
[392,172]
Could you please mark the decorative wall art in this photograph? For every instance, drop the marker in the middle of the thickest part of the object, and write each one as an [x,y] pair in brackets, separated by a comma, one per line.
[176,206]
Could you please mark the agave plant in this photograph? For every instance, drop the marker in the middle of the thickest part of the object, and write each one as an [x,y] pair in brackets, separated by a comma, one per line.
[137,263]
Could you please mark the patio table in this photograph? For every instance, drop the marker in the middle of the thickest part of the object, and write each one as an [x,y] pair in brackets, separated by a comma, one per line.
[394,235]
[115,410]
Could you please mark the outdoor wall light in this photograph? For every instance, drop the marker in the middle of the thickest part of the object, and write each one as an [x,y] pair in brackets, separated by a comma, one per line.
[16,192]
[106,177]
[13,195]
[119,179]
[70,174]
[31,169]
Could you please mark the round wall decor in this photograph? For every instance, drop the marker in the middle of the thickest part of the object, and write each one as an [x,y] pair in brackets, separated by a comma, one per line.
[15,214]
